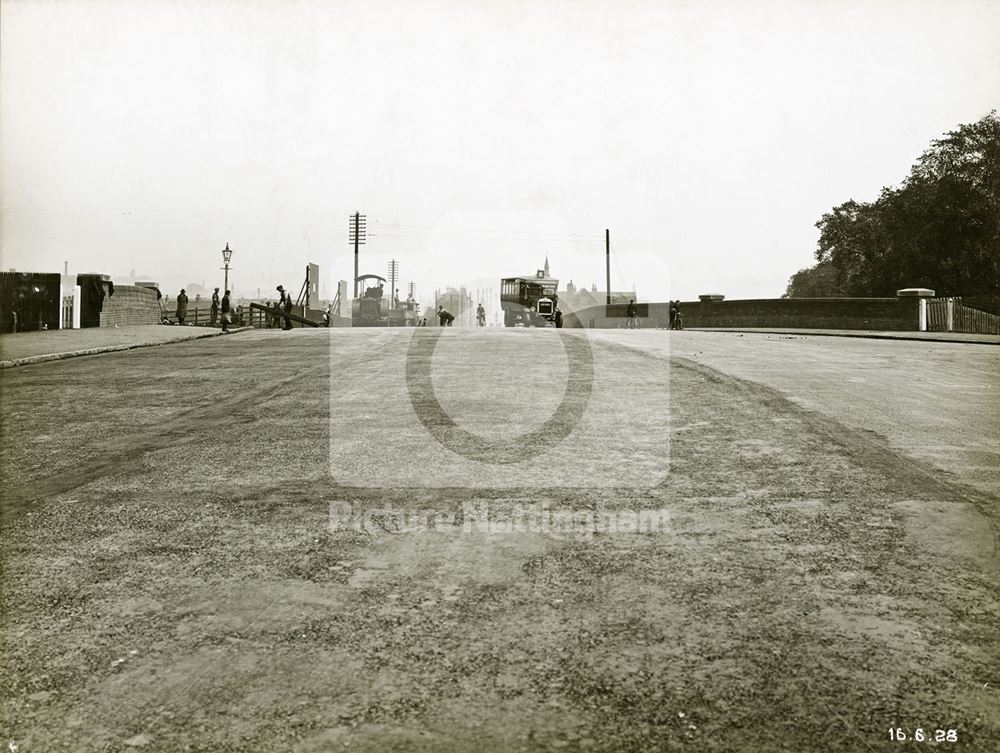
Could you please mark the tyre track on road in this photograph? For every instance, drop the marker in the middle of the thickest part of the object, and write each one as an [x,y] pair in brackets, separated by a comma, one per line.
[912,475]
[125,450]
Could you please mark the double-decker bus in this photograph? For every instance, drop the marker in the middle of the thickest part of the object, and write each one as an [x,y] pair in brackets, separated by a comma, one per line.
[529,301]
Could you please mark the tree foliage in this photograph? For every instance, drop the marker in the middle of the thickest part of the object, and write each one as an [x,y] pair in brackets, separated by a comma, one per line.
[940,229]
[818,281]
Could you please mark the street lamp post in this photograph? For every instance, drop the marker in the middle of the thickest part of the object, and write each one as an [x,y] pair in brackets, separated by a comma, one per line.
[227,254]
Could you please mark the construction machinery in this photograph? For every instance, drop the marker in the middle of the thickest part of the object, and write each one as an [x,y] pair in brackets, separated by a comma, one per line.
[373,308]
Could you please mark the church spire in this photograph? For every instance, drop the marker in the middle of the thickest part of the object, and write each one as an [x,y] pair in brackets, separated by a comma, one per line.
[547,266]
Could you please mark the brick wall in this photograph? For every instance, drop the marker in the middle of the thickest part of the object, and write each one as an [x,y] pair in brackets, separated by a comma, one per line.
[130,305]
[886,314]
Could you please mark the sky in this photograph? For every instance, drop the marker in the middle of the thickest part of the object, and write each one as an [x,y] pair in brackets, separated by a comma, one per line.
[708,137]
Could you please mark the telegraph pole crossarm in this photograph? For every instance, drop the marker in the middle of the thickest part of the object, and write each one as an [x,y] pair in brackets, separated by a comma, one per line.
[357,234]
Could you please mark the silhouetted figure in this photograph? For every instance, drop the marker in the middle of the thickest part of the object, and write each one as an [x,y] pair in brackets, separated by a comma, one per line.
[559,318]
[676,321]
[215,306]
[227,307]
[632,315]
[285,307]
[445,317]
[182,306]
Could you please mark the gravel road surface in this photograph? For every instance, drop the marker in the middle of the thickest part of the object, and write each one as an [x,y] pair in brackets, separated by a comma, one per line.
[329,540]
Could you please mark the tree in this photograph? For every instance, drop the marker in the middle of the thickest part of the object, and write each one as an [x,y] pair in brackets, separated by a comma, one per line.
[940,229]
[819,281]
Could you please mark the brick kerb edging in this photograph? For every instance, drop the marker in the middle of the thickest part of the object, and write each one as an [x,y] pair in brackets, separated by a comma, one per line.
[27,360]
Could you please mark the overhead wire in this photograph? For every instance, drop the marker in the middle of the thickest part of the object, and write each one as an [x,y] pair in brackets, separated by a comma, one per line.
[470,233]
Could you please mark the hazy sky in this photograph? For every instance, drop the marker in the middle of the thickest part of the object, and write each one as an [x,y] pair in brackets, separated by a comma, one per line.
[476,136]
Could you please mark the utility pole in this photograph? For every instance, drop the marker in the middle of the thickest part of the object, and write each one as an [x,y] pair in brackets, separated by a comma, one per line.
[393,276]
[357,235]
[607,260]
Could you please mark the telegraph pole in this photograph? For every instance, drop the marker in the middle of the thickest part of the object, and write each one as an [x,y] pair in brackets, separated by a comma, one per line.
[357,234]
[393,276]
[607,260]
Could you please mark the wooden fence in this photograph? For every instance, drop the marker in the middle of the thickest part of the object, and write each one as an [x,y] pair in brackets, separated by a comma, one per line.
[202,316]
[950,315]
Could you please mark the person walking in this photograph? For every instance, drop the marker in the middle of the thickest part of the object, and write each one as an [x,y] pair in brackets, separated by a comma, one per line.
[481,315]
[182,306]
[227,308]
[215,307]
[632,314]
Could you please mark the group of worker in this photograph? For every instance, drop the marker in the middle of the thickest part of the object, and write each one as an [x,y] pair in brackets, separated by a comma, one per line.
[219,305]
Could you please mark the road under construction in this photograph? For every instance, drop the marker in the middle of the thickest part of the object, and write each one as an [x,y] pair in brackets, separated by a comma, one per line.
[316,548]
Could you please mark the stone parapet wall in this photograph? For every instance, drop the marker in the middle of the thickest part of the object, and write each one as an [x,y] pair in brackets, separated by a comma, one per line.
[130,305]
[885,314]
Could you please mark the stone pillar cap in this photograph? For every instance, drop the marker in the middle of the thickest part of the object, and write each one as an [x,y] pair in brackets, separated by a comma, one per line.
[915,293]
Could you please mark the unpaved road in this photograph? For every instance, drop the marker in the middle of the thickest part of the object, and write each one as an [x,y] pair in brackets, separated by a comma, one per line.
[193,558]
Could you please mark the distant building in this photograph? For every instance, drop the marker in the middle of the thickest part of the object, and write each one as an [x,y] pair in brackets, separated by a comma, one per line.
[196,292]
[575,299]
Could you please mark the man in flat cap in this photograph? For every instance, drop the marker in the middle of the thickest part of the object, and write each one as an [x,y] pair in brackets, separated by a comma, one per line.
[215,307]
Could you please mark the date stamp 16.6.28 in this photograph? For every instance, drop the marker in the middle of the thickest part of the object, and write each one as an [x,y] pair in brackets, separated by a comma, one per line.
[922,735]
